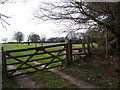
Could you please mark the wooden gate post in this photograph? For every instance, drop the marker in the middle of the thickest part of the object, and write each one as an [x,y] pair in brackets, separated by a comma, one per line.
[35,44]
[69,52]
[88,46]
[83,46]
[4,66]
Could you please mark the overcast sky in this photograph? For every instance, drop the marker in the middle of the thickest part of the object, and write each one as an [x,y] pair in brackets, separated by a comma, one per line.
[22,20]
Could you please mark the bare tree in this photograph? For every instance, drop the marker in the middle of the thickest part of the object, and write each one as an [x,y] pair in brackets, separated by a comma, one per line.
[62,12]
[18,36]
[3,22]
[83,15]
[34,38]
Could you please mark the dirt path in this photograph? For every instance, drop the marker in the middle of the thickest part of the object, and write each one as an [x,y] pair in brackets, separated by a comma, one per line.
[77,82]
[24,81]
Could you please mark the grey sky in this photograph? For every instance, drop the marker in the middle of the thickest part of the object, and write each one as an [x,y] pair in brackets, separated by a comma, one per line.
[22,20]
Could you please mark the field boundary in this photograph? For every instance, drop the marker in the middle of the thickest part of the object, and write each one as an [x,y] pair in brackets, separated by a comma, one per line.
[66,51]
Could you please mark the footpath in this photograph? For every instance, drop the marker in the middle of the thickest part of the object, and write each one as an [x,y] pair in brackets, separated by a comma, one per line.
[25,82]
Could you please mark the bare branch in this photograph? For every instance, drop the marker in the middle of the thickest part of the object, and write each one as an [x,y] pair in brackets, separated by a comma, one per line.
[3,21]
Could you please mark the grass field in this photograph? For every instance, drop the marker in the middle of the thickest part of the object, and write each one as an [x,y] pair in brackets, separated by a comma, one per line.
[51,80]
[25,46]
[32,45]
[93,74]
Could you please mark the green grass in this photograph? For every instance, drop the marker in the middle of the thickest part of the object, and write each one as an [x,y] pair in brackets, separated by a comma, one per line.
[80,45]
[9,83]
[32,45]
[49,79]
[24,46]
[92,74]
[87,72]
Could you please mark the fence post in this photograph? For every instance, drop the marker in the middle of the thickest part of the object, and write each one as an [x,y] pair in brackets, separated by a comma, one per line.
[90,42]
[69,52]
[88,46]
[4,67]
[35,44]
[83,45]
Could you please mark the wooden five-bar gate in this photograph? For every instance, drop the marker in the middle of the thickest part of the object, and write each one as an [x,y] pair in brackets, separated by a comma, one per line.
[46,56]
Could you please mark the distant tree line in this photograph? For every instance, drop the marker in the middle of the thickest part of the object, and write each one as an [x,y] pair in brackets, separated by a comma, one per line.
[19,37]
[56,39]
[94,35]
